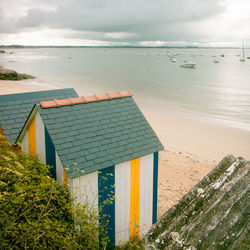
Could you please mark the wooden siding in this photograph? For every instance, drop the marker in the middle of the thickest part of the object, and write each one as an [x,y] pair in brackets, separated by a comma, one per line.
[40,139]
[2,136]
[106,202]
[59,170]
[65,179]
[85,189]
[155,187]
[122,202]
[25,144]
[134,197]
[32,137]
[146,193]
[70,187]
[44,147]
[50,153]
[134,184]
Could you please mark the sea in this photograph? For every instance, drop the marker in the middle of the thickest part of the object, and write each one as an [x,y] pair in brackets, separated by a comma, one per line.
[219,92]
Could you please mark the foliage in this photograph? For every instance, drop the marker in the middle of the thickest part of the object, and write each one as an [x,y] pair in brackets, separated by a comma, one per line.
[90,234]
[36,212]
[132,244]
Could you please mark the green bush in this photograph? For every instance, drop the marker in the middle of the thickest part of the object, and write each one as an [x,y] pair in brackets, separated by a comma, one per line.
[133,244]
[36,212]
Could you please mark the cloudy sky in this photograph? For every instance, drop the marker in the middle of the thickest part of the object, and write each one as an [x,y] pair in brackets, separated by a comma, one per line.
[125,22]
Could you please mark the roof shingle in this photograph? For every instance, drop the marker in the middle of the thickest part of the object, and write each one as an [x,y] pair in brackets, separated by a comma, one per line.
[99,134]
[15,108]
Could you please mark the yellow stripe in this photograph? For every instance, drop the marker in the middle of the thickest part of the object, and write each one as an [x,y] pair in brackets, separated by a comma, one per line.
[65,179]
[2,136]
[1,131]
[32,137]
[134,197]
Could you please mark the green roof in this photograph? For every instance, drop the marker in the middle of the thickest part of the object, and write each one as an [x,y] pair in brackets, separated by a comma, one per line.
[213,215]
[15,108]
[92,136]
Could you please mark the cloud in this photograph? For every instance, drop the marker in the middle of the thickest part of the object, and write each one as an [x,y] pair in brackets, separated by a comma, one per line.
[139,18]
[129,21]
[123,15]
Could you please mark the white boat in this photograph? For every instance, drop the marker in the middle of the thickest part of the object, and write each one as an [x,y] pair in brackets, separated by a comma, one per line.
[216,61]
[188,65]
[243,59]
[172,59]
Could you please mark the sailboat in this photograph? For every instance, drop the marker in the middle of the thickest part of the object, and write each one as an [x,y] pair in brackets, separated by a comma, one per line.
[242,59]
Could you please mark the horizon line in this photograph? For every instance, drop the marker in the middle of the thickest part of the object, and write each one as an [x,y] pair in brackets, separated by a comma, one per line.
[118,46]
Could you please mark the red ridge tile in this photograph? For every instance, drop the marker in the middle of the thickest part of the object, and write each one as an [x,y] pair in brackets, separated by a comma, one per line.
[107,94]
[76,100]
[48,104]
[125,93]
[114,95]
[85,99]
[91,98]
[62,102]
[102,97]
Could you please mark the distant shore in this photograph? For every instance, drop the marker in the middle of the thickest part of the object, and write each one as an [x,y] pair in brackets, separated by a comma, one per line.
[192,146]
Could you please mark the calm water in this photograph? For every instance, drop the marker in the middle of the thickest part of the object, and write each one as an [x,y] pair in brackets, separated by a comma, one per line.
[218,91]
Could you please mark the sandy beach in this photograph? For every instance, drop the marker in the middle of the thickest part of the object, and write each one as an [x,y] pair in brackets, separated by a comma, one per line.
[192,146]
[12,87]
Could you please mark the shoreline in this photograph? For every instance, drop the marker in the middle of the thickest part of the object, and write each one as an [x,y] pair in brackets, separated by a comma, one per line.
[192,146]
[13,87]
[202,139]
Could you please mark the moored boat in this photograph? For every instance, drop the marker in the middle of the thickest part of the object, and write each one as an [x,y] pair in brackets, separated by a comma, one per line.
[188,65]
[172,59]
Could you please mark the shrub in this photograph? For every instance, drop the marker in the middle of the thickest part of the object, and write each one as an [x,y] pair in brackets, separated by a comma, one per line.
[36,212]
[132,245]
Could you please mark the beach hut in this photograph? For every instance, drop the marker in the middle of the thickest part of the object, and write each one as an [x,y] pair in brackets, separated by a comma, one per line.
[103,148]
[15,108]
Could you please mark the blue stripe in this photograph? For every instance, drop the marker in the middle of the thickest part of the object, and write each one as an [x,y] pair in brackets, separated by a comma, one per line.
[106,202]
[50,153]
[155,187]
